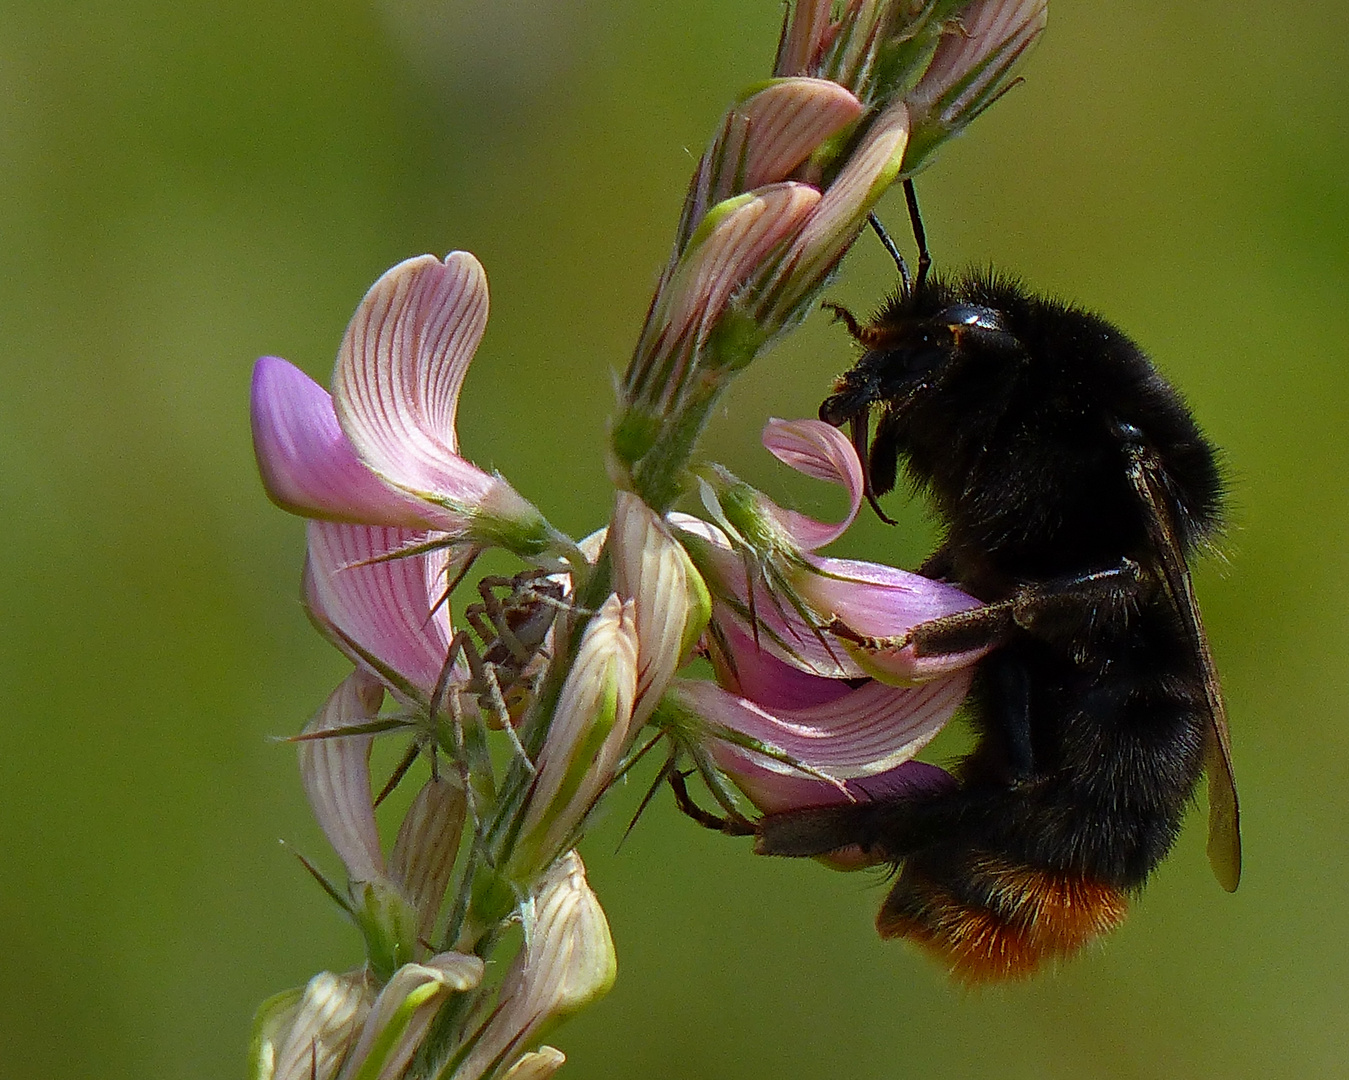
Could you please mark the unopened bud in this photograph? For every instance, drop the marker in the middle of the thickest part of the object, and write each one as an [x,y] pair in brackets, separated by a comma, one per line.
[567,963]
[305,1034]
[424,852]
[536,1065]
[589,731]
[671,600]
[401,1015]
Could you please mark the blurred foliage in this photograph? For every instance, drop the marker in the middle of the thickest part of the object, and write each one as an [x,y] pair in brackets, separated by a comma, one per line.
[188,185]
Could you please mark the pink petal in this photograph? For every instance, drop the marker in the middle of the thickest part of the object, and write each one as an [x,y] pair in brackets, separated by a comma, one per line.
[805,37]
[869,730]
[784,123]
[854,191]
[821,451]
[991,35]
[760,676]
[402,362]
[882,602]
[772,790]
[382,609]
[308,466]
[871,599]
[336,776]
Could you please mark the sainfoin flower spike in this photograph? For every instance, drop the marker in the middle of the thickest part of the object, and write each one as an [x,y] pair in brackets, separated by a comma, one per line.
[521,709]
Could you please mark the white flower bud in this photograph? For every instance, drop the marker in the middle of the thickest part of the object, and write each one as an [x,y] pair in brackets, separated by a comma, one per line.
[568,962]
[306,1035]
[537,1065]
[336,775]
[589,731]
[401,1015]
[672,602]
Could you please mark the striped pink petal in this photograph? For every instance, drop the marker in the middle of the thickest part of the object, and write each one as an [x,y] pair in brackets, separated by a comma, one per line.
[374,608]
[879,601]
[973,57]
[821,451]
[399,371]
[784,123]
[733,245]
[844,207]
[868,730]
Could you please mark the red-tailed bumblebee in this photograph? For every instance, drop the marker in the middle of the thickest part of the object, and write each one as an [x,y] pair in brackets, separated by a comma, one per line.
[1073,487]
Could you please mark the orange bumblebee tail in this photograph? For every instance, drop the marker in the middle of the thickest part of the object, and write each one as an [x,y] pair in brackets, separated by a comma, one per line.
[990,920]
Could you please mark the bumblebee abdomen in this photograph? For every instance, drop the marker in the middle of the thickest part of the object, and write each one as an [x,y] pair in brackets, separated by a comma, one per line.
[989,920]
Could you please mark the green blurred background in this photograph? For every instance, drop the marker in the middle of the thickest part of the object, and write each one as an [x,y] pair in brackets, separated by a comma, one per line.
[187,185]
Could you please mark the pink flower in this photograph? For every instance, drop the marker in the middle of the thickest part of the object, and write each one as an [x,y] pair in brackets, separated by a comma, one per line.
[383,449]
[842,717]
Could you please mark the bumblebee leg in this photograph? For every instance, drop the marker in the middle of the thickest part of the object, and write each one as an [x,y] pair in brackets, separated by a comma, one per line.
[919,234]
[1059,609]
[1039,609]
[978,628]
[708,820]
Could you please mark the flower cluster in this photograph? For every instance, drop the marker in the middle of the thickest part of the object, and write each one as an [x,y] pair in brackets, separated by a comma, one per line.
[573,664]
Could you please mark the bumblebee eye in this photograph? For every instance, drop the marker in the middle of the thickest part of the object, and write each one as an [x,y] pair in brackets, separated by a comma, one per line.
[972,315]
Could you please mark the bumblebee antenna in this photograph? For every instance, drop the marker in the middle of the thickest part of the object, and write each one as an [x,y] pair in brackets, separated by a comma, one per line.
[889,246]
[919,235]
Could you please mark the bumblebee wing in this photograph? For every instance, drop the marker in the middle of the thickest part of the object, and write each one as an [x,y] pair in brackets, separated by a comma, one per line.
[1224,831]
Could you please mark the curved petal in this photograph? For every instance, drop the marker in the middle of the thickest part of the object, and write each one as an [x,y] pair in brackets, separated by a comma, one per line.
[308,465]
[821,451]
[881,602]
[772,789]
[336,776]
[383,612]
[399,371]
[787,120]
[869,730]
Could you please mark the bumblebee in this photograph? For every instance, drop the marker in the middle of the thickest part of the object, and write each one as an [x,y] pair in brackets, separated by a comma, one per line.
[1074,488]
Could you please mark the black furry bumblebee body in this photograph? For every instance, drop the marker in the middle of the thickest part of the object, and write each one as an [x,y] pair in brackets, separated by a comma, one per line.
[1073,486]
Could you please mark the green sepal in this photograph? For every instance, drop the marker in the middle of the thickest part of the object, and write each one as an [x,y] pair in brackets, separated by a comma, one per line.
[389,925]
